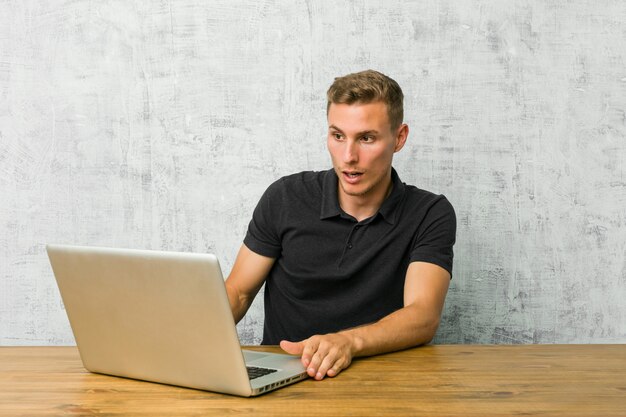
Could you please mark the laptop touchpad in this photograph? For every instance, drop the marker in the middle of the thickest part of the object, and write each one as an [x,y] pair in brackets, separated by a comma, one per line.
[250,356]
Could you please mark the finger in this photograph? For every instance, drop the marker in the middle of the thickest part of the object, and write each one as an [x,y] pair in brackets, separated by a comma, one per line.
[323,357]
[292,348]
[311,346]
[315,362]
[328,363]
[313,365]
[336,368]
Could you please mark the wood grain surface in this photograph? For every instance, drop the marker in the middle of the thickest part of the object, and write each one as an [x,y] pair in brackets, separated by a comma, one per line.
[439,380]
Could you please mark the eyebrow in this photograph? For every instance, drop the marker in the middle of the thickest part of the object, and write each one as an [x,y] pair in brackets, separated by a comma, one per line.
[365,132]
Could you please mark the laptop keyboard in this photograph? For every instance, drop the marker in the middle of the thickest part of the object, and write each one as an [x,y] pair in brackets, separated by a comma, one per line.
[256,372]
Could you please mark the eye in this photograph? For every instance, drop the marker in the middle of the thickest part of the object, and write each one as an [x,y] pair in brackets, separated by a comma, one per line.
[337,136]
[367,139]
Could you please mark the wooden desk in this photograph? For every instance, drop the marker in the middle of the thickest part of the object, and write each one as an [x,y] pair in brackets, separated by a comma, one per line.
[458,380]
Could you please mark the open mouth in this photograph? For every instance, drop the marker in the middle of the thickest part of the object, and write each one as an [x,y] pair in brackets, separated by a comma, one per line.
[352,177]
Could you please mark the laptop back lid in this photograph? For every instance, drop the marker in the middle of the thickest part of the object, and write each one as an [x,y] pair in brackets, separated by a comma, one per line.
[150,315]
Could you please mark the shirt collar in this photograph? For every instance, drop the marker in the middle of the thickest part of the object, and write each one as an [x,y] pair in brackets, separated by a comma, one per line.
[330,200]
[389,208]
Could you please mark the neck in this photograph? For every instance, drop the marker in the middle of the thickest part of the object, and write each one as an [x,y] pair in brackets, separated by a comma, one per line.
[364,206]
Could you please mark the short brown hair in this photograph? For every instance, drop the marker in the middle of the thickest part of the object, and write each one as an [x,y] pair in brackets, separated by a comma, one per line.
[367,87]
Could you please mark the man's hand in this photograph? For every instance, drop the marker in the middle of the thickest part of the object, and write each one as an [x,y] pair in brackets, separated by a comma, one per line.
[323,355]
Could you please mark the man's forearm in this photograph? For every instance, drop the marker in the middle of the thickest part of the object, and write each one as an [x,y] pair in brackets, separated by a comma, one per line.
[238,305]
[410,326]
[245,280]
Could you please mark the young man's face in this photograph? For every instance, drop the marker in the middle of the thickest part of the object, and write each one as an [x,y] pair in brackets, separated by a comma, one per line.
[361,145]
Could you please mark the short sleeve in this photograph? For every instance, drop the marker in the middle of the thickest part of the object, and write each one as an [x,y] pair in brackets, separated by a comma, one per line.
[262,236]
[436,236]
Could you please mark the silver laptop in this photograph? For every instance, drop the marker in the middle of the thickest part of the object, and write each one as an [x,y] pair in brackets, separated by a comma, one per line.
[161,317]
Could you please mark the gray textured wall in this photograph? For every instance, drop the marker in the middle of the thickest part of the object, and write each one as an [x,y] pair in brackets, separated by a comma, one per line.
[158,125]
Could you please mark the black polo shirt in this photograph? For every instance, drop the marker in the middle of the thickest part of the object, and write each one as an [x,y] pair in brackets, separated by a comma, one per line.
[333,272]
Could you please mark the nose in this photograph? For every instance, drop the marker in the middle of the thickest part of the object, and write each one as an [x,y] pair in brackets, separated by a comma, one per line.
[351,152]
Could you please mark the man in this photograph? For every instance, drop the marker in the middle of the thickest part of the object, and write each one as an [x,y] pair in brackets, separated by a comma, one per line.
[354,262]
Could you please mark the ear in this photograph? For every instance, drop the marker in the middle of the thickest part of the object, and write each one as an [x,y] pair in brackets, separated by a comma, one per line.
[401,137]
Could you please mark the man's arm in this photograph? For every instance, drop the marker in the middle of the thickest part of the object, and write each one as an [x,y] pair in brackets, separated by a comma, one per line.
[246,279]
[415,324]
